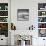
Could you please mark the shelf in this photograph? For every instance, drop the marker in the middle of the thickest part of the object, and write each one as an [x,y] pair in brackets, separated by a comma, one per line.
[3,22]
[3,10]
[42,16]
[41,28]
[41,22]
[3,16]
[41,10]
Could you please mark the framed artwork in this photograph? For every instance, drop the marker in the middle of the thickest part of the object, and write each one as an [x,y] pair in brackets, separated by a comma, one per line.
[22,14]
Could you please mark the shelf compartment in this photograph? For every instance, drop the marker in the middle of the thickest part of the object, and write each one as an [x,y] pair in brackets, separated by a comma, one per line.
[42,10]
[3,26]
[41,19]
[3,19]
[41,6]
[41,25]
[3,10]
[42,32]
[3,13]
[3,6]
[4,16]
[41,22]
[42,16]
[4,29]
[41,13]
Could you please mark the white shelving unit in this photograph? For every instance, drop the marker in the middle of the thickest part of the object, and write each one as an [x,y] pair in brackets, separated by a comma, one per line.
[42,18]
[42,10]
[3,14]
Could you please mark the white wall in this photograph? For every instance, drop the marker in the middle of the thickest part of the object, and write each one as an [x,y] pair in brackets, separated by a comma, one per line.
[22,26]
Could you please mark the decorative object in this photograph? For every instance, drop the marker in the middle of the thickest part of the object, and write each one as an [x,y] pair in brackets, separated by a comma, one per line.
[6,7]
[23,40]
[13,27]
[43,13]
[0,7]
[22,43]
[3,19]
[26,38]
[31,27]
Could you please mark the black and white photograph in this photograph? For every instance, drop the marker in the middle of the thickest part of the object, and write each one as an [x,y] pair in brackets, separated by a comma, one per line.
[23,14]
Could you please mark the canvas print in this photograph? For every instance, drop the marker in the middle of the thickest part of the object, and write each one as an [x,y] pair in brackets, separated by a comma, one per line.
[23,14]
